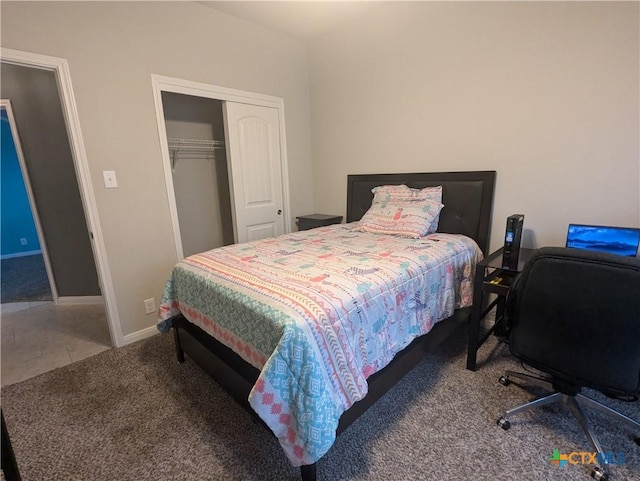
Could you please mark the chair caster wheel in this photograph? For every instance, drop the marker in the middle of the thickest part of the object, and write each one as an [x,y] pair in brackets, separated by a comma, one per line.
[598,474]
[504,380]
[503,423]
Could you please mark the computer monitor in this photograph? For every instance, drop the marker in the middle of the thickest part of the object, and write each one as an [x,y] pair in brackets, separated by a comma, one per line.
[616,240]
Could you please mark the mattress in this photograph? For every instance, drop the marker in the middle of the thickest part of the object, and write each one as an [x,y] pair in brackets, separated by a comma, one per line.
[318,312]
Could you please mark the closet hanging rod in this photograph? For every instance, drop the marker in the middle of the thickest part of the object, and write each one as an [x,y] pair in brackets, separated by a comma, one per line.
[197,143]
[193,148]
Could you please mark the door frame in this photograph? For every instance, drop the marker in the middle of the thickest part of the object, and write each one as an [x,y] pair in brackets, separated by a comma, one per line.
[161,83]
[60,67]
[6,104]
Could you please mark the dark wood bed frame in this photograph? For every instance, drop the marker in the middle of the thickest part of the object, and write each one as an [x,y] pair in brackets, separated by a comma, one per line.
[468,200]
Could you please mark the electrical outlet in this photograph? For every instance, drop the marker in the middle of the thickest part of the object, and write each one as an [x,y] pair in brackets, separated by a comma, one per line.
[23,241]
[150,306]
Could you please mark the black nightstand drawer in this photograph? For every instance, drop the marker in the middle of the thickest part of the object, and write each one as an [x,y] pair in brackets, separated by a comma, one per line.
[311,221]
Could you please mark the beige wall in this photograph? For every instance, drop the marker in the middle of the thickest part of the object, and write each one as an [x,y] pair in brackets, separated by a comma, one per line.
[112,49]
[545,93]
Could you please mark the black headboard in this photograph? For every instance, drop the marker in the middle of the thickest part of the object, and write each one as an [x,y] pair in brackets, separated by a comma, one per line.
[467,199]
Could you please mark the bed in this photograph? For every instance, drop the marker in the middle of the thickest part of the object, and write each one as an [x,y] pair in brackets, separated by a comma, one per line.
[307,344]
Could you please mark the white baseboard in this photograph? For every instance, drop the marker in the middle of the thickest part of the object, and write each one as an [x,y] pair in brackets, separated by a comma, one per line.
[67,300]
[140,335]
[20,254]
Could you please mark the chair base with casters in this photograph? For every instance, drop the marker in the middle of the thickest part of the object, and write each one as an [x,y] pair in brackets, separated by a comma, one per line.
[575,402]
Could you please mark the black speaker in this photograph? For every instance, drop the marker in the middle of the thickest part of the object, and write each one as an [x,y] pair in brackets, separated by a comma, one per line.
[512,238]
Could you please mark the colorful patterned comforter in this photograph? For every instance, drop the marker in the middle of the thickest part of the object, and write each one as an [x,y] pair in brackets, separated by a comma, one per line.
[317,312]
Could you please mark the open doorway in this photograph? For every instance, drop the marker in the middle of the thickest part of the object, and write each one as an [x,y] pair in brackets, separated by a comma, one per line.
[39,335]
[26,273]
[195,137]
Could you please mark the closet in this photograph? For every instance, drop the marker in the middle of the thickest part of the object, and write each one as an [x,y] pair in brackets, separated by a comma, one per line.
[200,173]
[224,161]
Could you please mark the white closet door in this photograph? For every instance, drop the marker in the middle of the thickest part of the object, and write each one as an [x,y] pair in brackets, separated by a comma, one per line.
[255,170]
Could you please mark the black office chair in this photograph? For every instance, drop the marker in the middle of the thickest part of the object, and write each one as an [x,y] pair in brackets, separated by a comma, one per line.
[574,315]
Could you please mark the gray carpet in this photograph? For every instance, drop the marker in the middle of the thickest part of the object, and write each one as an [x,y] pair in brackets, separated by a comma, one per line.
[24,279]
[134,413]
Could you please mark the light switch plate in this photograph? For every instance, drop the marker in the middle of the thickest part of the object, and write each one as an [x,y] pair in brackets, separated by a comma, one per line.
[110,181]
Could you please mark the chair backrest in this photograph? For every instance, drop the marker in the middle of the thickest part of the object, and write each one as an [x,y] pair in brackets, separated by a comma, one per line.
[575,314]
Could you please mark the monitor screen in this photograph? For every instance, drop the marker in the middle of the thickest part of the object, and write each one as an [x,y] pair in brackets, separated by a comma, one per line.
[616,240]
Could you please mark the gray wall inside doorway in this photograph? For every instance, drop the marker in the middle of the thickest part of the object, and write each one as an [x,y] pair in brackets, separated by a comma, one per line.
[38,113]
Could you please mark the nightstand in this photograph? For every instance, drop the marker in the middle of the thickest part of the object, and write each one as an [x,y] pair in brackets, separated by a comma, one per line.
[311,221]
[491,278]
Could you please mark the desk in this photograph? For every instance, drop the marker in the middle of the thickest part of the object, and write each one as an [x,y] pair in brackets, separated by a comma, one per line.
[491,278]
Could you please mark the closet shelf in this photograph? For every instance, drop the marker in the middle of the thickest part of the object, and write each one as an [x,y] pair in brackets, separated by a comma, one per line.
[205,144]
[192,148]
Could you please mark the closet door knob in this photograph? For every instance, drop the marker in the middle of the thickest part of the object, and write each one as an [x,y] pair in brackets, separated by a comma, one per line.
[279,211]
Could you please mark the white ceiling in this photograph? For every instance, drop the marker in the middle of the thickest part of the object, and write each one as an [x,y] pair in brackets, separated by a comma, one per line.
[303,19]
